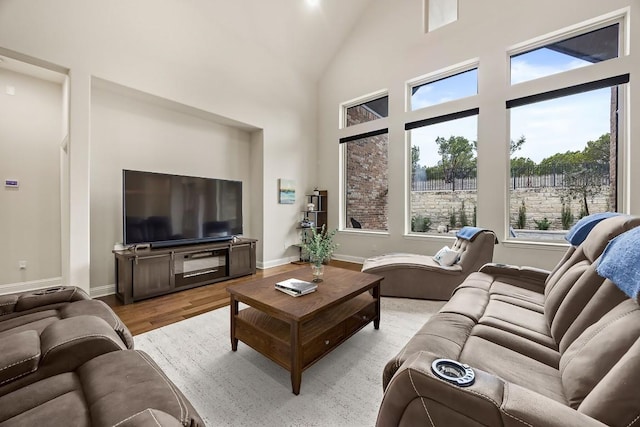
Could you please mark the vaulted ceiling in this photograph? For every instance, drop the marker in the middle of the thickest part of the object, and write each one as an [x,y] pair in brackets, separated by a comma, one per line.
[304,36]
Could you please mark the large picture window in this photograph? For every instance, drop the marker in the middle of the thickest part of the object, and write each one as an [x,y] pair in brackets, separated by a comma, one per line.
[443,193]
[563,162]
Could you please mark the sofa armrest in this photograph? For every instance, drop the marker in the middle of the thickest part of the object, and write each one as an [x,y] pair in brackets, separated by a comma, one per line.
[40,298]
[531,278]
[416,396]
[68,343]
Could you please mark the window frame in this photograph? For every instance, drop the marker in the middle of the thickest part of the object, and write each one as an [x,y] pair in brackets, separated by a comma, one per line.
[570,82]
[354,133]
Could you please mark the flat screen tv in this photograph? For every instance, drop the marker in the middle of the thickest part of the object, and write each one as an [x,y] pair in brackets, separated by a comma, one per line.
[167,210]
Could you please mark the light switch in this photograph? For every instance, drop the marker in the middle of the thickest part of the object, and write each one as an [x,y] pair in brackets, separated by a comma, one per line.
[11,183]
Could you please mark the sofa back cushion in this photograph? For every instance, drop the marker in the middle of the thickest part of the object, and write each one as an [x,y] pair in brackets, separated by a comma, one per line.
[574,282]
[600,370]
[476,253]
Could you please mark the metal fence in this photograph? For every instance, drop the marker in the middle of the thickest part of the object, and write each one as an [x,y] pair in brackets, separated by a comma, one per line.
[556,175]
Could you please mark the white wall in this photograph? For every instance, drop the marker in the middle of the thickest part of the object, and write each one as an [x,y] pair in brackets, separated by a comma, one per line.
[137,134]
[30,128]
[183,55]
[389,48]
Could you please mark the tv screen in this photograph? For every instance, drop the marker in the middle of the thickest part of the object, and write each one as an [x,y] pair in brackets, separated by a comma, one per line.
[166,210]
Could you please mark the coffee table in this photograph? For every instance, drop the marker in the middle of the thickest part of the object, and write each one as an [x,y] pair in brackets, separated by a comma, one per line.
[296,332]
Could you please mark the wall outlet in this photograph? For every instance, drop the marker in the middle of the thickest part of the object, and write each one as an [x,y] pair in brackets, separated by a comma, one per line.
[22,265]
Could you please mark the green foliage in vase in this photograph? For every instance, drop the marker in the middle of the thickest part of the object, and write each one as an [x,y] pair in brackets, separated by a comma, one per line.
[320,245]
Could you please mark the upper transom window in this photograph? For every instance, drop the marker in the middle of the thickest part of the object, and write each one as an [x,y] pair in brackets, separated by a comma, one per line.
[445,89]
[568,54]
[367,111]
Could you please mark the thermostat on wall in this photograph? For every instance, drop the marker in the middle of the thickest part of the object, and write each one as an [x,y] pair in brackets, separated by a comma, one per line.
[11,183]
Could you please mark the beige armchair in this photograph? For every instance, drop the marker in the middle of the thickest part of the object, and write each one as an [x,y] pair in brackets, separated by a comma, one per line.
[419,276]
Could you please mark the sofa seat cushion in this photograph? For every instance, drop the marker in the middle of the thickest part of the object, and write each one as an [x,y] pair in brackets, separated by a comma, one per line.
[513,366]
[54,401]
[19,355]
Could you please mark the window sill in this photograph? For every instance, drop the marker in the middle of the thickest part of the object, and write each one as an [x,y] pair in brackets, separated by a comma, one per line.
[532,244]
[360,232]
[432,237]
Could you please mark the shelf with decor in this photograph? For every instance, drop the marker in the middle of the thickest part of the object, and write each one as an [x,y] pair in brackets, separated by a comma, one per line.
[313,216]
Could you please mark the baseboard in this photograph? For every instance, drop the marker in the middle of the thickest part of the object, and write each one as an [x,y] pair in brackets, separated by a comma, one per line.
[276,262]
[348,258]
[102,291]
[11,288]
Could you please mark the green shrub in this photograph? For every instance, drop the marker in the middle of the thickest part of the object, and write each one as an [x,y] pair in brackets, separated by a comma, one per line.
[463,216]
[566,216]
[522,217]
[543,224]
[420,224]
[452,218]
[475,216]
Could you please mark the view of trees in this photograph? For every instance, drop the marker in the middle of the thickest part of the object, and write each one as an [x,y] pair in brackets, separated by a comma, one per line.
[584,172]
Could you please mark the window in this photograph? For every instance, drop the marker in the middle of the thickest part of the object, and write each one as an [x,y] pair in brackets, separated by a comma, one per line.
[443,193]
[366,181]
[564,142]
[365,158]
[440,13]
[446,89]
[575,52]
[563,161]
[367,111]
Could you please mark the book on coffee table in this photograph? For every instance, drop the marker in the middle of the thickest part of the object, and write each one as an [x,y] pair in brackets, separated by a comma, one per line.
[296,287]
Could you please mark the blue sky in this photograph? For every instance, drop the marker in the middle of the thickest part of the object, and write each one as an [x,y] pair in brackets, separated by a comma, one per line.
[549,127]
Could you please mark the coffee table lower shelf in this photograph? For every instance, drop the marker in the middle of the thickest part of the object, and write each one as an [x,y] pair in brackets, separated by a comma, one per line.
[312,339]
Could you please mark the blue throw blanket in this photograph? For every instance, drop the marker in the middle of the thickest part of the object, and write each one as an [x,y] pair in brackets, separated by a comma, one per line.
[469,233]
[620,262]
[582,228]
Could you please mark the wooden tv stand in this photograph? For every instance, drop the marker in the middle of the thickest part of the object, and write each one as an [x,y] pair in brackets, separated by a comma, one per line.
[148,273]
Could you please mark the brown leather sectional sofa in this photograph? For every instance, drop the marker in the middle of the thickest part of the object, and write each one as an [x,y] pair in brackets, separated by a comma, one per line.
[68,360]
[559,348]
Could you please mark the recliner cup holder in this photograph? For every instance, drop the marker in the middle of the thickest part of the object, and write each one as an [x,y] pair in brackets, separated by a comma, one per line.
[454,372]
[49,291]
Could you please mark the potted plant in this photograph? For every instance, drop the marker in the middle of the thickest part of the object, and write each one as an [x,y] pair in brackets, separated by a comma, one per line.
[320,247]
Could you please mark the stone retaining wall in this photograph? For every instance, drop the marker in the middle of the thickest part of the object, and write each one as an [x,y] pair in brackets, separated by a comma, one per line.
[539,202]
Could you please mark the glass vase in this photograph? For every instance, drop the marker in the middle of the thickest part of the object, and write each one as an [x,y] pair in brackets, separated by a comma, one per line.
[317,270]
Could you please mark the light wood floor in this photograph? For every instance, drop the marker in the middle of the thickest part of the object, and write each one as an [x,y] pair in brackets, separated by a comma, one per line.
[156,312]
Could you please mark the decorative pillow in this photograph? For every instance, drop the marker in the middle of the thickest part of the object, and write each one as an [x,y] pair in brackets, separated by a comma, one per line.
[446,256]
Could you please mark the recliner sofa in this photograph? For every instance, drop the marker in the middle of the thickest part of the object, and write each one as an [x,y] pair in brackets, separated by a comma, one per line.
[559,348]
[68,360]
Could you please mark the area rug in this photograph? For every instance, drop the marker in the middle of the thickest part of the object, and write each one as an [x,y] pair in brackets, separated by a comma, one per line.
[244,388]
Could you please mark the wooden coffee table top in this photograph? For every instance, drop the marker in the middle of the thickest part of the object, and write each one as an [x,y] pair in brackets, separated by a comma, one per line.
[338,285]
